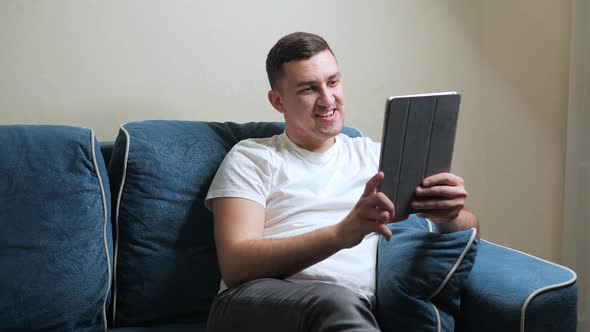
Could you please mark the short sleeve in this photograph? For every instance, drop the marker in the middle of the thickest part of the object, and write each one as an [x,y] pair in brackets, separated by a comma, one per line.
[244,173]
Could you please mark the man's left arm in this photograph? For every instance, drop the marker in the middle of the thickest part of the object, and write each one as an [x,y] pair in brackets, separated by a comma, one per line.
[441,197]
[465,220]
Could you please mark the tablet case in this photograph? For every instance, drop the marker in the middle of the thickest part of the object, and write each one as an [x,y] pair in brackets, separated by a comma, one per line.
[418,140]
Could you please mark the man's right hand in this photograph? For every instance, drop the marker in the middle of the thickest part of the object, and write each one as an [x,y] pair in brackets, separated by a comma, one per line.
[373,211]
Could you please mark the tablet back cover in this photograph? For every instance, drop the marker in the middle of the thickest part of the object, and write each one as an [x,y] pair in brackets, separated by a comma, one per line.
[418,140]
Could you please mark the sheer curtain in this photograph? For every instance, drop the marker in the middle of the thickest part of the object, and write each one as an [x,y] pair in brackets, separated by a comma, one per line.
[576,236]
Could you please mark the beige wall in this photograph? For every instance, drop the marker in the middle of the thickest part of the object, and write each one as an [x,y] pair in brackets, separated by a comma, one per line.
[100,63]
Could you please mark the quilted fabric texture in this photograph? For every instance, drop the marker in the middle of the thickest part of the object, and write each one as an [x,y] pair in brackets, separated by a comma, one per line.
[56,235]
[166,266]
[420,276]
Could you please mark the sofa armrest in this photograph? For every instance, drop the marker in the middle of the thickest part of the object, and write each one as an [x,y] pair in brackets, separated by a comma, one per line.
[508,290]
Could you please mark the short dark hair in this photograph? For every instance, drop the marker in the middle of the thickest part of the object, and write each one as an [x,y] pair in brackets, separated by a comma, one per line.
[292,47]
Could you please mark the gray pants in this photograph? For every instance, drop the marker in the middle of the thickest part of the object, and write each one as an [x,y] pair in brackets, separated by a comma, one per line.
[277,305]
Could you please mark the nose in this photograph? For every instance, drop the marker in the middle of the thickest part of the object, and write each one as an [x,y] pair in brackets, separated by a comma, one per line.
[326,98]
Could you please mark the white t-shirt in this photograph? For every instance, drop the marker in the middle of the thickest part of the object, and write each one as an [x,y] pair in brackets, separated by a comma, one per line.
[303,191]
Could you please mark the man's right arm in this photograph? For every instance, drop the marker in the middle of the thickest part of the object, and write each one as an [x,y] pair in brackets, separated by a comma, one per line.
[245,255]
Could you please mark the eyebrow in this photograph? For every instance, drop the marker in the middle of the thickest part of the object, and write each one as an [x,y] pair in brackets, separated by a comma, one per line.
[305,83]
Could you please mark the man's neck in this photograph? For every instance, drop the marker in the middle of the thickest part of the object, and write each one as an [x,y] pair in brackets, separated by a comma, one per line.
[313,146]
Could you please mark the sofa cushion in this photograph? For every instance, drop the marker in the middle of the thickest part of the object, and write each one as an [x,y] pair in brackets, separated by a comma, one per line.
[56,235]
[420,275]
[166,265]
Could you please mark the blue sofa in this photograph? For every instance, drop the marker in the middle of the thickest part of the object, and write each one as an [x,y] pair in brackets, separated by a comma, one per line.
[115,236]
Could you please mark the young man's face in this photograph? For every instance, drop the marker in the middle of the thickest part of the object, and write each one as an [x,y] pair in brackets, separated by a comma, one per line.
[311,98]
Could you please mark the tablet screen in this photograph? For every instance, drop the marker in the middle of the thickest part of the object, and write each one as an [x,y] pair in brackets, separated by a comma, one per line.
[418,140]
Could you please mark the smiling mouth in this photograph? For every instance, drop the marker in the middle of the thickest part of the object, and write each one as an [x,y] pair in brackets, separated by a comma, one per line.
[326,114]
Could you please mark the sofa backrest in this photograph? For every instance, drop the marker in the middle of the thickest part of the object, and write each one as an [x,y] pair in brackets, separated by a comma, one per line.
[165,261]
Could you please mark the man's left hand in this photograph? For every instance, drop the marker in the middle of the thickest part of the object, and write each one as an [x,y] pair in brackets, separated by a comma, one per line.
[440,197]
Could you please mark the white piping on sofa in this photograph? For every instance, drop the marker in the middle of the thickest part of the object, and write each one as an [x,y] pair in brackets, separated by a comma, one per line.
[450,274]
[104,229]
[542,289]
[430,225]
[437,314]
[431,228]
[452,271]
[116,250]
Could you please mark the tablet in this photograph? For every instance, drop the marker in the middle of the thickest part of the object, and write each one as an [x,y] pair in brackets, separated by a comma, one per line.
[418,140]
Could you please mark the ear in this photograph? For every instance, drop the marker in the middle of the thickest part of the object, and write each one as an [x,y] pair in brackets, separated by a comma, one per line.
[275,99]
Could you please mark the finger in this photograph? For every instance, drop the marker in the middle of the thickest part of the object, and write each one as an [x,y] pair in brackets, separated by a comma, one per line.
[438,204]
[380,201]
[374,227]
[442,179]
[378,216]
[373,184]
[441,191]
[383,230]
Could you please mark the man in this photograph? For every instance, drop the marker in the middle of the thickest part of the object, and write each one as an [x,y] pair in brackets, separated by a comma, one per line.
[296,245]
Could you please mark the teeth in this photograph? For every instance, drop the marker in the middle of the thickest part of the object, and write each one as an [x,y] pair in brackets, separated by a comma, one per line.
[326,114]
